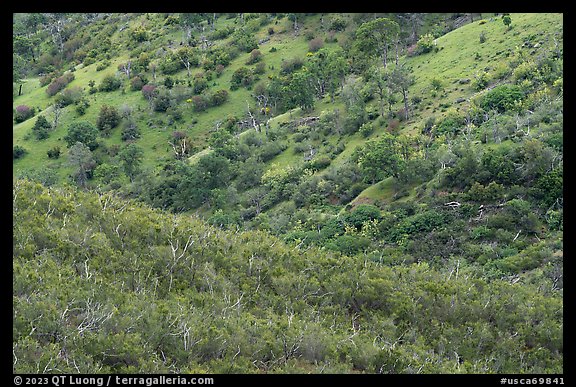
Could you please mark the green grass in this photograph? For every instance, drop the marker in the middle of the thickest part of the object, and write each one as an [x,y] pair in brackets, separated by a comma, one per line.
[455,59]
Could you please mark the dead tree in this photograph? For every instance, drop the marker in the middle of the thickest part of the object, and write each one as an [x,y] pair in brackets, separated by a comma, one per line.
[255,122]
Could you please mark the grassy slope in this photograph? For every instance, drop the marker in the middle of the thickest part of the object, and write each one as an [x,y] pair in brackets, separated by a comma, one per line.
[155,131]
[455,60]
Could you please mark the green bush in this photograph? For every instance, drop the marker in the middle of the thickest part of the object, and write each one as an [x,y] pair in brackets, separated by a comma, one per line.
[337,23]
[41,128]
[54,153]
[363,213]
[84,132]
[502,98]
[366,129]
[425,44]
[349,244]
[320,162]
[110,83]
[18,152]
[108,118]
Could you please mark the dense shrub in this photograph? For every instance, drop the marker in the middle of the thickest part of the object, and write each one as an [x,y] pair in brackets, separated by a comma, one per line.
[22,113]
[130,132]
[361,214]
[260,68]
[18,152]
[241,77]
[59,84]
[291,65]
[149,91]
[255,56]
[320,162]
[136,83]
[69,96]
[41,128]
[315,44]
[200,84]
[200,103]
[54,153]
[171,65]
[84,132]
[425,44]
[337,24]
[219,97]
[451,124]
[162,101]
[139,34]
[110,83]
[349,244]
[108,118]
[502,98]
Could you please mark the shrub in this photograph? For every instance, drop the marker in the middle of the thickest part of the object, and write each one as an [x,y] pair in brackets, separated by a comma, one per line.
[81,106]
[139,34]
[18,152]
[480,81]
[425,44]
[108,118]
[482,37]
[200,84]
[110,83]
[219,97]
[199,102]
[349,244]
[170,66]
[84,132]
[130,132]
[436,84]
[23,112]
[393,125]
[291,65]
[337,24]
[41,128]
[320,162]
[161,101]
[451,124]
[260,68]
[482,194]
[315,44]
[363,213]
[54,153]
[501,98]
[255,56]
[102,65]
[366,129]
[269,150]
[219,69]
[241,77]
[59,84]
[69,96]
[149,91]
[136,83]
[46,79]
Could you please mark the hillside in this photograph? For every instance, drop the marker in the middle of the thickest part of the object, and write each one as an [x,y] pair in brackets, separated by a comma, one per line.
[128,289]
[395,164]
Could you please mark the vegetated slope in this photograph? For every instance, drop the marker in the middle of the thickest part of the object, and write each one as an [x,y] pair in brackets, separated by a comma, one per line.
[404,234]
[108,285]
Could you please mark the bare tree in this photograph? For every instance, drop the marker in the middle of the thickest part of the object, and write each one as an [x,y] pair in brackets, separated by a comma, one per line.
[57,113]
[126,68]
